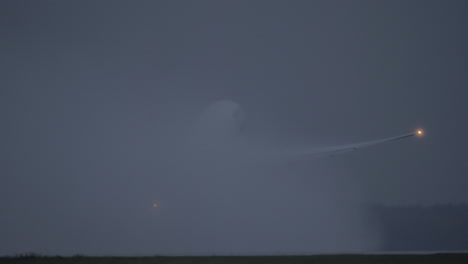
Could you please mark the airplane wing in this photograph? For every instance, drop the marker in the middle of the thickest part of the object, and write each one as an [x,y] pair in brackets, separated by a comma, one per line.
[337,150]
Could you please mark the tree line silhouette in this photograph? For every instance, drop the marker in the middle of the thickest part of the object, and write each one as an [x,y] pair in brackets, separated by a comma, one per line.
[423,228]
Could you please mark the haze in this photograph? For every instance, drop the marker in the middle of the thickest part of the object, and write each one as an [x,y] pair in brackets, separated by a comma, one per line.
[97,100]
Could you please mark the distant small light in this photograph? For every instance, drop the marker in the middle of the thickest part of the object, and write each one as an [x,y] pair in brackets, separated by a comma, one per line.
[155,205]
[419,132]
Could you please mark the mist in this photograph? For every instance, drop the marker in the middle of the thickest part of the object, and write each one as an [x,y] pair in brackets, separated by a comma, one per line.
[123,186]
[105,151]
[227,204]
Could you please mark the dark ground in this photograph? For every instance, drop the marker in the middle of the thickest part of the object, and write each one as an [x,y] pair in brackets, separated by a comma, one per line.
[374,259]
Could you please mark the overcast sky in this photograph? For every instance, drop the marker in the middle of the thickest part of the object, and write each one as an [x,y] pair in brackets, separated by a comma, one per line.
[90,92]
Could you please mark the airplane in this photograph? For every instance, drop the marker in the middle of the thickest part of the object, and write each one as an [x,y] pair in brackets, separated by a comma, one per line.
[221,121]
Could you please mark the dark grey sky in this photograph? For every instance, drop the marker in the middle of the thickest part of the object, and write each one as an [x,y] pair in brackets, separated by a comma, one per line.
[89,89]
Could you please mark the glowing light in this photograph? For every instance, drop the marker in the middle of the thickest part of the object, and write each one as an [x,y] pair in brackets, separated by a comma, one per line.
[419,132]
[155,205]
